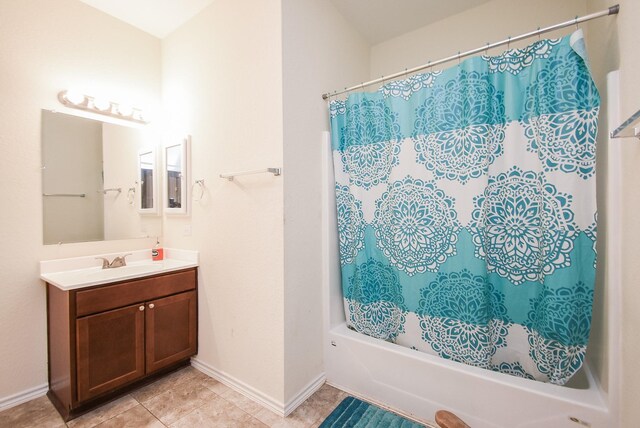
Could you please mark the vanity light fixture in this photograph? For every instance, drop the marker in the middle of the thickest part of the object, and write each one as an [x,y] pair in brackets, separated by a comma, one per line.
[77,100]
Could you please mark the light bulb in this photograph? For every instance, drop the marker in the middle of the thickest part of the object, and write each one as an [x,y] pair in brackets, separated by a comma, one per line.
[101,104]
[125,110]
[138,115]
[74,97]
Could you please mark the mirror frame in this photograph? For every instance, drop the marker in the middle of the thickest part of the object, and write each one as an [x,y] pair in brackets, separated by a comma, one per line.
[155,194]
[185,147]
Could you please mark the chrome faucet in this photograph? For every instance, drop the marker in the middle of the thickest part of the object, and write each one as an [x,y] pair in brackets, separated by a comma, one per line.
[115,263]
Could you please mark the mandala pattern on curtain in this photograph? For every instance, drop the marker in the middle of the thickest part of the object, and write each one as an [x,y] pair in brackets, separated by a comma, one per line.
[467,211]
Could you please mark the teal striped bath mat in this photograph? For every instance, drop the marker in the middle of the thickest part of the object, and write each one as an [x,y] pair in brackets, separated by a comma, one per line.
[358,414]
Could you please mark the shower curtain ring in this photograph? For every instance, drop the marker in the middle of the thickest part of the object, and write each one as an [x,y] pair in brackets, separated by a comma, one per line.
[509,43]
[430,67]
[458,58]
[575,21]
[539,34]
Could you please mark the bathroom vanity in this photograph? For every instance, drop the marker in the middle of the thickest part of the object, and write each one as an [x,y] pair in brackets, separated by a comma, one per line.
[108,335]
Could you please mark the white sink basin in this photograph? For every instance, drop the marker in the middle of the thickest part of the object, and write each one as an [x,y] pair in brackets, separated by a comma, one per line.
[68,279]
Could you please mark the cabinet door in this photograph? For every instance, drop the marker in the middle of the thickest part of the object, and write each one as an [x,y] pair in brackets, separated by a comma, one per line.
[171,330]
[110,350]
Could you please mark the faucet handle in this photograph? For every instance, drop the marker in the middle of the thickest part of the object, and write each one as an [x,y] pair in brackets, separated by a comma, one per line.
[119,261]
[105,262]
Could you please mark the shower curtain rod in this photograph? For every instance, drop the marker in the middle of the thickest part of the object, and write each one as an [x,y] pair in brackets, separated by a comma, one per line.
[613,10]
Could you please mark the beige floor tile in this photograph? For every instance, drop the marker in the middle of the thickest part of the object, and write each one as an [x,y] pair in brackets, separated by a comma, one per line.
[187,398]
[103,413]
[270,419]
[165,383]
[241,401]
[325,400]
[306,413]
[218,413]
[38,412]
[137,417]
[311,413]
[215,386]
[179,401]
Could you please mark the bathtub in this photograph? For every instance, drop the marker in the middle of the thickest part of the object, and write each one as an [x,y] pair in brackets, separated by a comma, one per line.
[417,384]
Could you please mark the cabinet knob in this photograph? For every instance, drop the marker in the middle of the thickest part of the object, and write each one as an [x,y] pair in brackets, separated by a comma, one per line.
[151,306]
[141,307]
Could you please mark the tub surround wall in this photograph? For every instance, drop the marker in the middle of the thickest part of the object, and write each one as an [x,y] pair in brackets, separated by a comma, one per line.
[614,45]
[47,47]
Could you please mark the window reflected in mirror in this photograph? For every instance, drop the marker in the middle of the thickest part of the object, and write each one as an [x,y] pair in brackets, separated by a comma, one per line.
[176,178]
[147,180]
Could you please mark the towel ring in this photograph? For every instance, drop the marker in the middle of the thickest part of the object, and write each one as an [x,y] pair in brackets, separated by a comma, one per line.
[200,184]
[131,195]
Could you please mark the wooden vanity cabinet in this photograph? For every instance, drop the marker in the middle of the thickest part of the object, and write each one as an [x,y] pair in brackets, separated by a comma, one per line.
[108,338]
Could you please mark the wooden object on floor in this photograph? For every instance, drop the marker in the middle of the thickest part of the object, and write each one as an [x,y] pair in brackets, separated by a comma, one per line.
[446,419]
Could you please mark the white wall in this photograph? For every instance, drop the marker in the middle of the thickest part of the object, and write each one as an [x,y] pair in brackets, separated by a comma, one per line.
[222,83]
[615,42]
[48,46]
[321,52]
[629,39]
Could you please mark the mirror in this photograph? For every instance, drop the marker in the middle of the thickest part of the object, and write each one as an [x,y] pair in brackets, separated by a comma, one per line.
[177,177]
[89,174]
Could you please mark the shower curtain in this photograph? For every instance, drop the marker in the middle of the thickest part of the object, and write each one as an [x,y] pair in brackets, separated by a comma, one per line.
[467,211]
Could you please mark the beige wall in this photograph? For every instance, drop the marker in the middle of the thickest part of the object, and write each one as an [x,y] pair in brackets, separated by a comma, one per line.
[222,83]
[121,145]
[228,73]
[490,22]
[48,46]
[72,157]
[321,52]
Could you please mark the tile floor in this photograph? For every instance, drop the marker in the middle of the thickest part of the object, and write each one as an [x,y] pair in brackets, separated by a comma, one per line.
[186,398]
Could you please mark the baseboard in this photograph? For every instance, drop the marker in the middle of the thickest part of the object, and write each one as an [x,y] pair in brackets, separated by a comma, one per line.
[23,397]
[305,393]
[259,397]
[239,386]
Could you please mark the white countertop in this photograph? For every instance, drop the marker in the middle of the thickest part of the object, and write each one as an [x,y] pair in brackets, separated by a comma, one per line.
[86,271]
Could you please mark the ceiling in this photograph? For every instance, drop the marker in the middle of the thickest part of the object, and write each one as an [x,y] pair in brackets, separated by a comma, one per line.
[376,20]
[157,17]
[380,20]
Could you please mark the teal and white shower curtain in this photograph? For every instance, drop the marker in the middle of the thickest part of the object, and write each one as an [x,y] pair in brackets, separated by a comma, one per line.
[467,210]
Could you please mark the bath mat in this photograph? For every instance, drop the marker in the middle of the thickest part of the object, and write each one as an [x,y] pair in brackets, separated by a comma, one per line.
[358,414]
